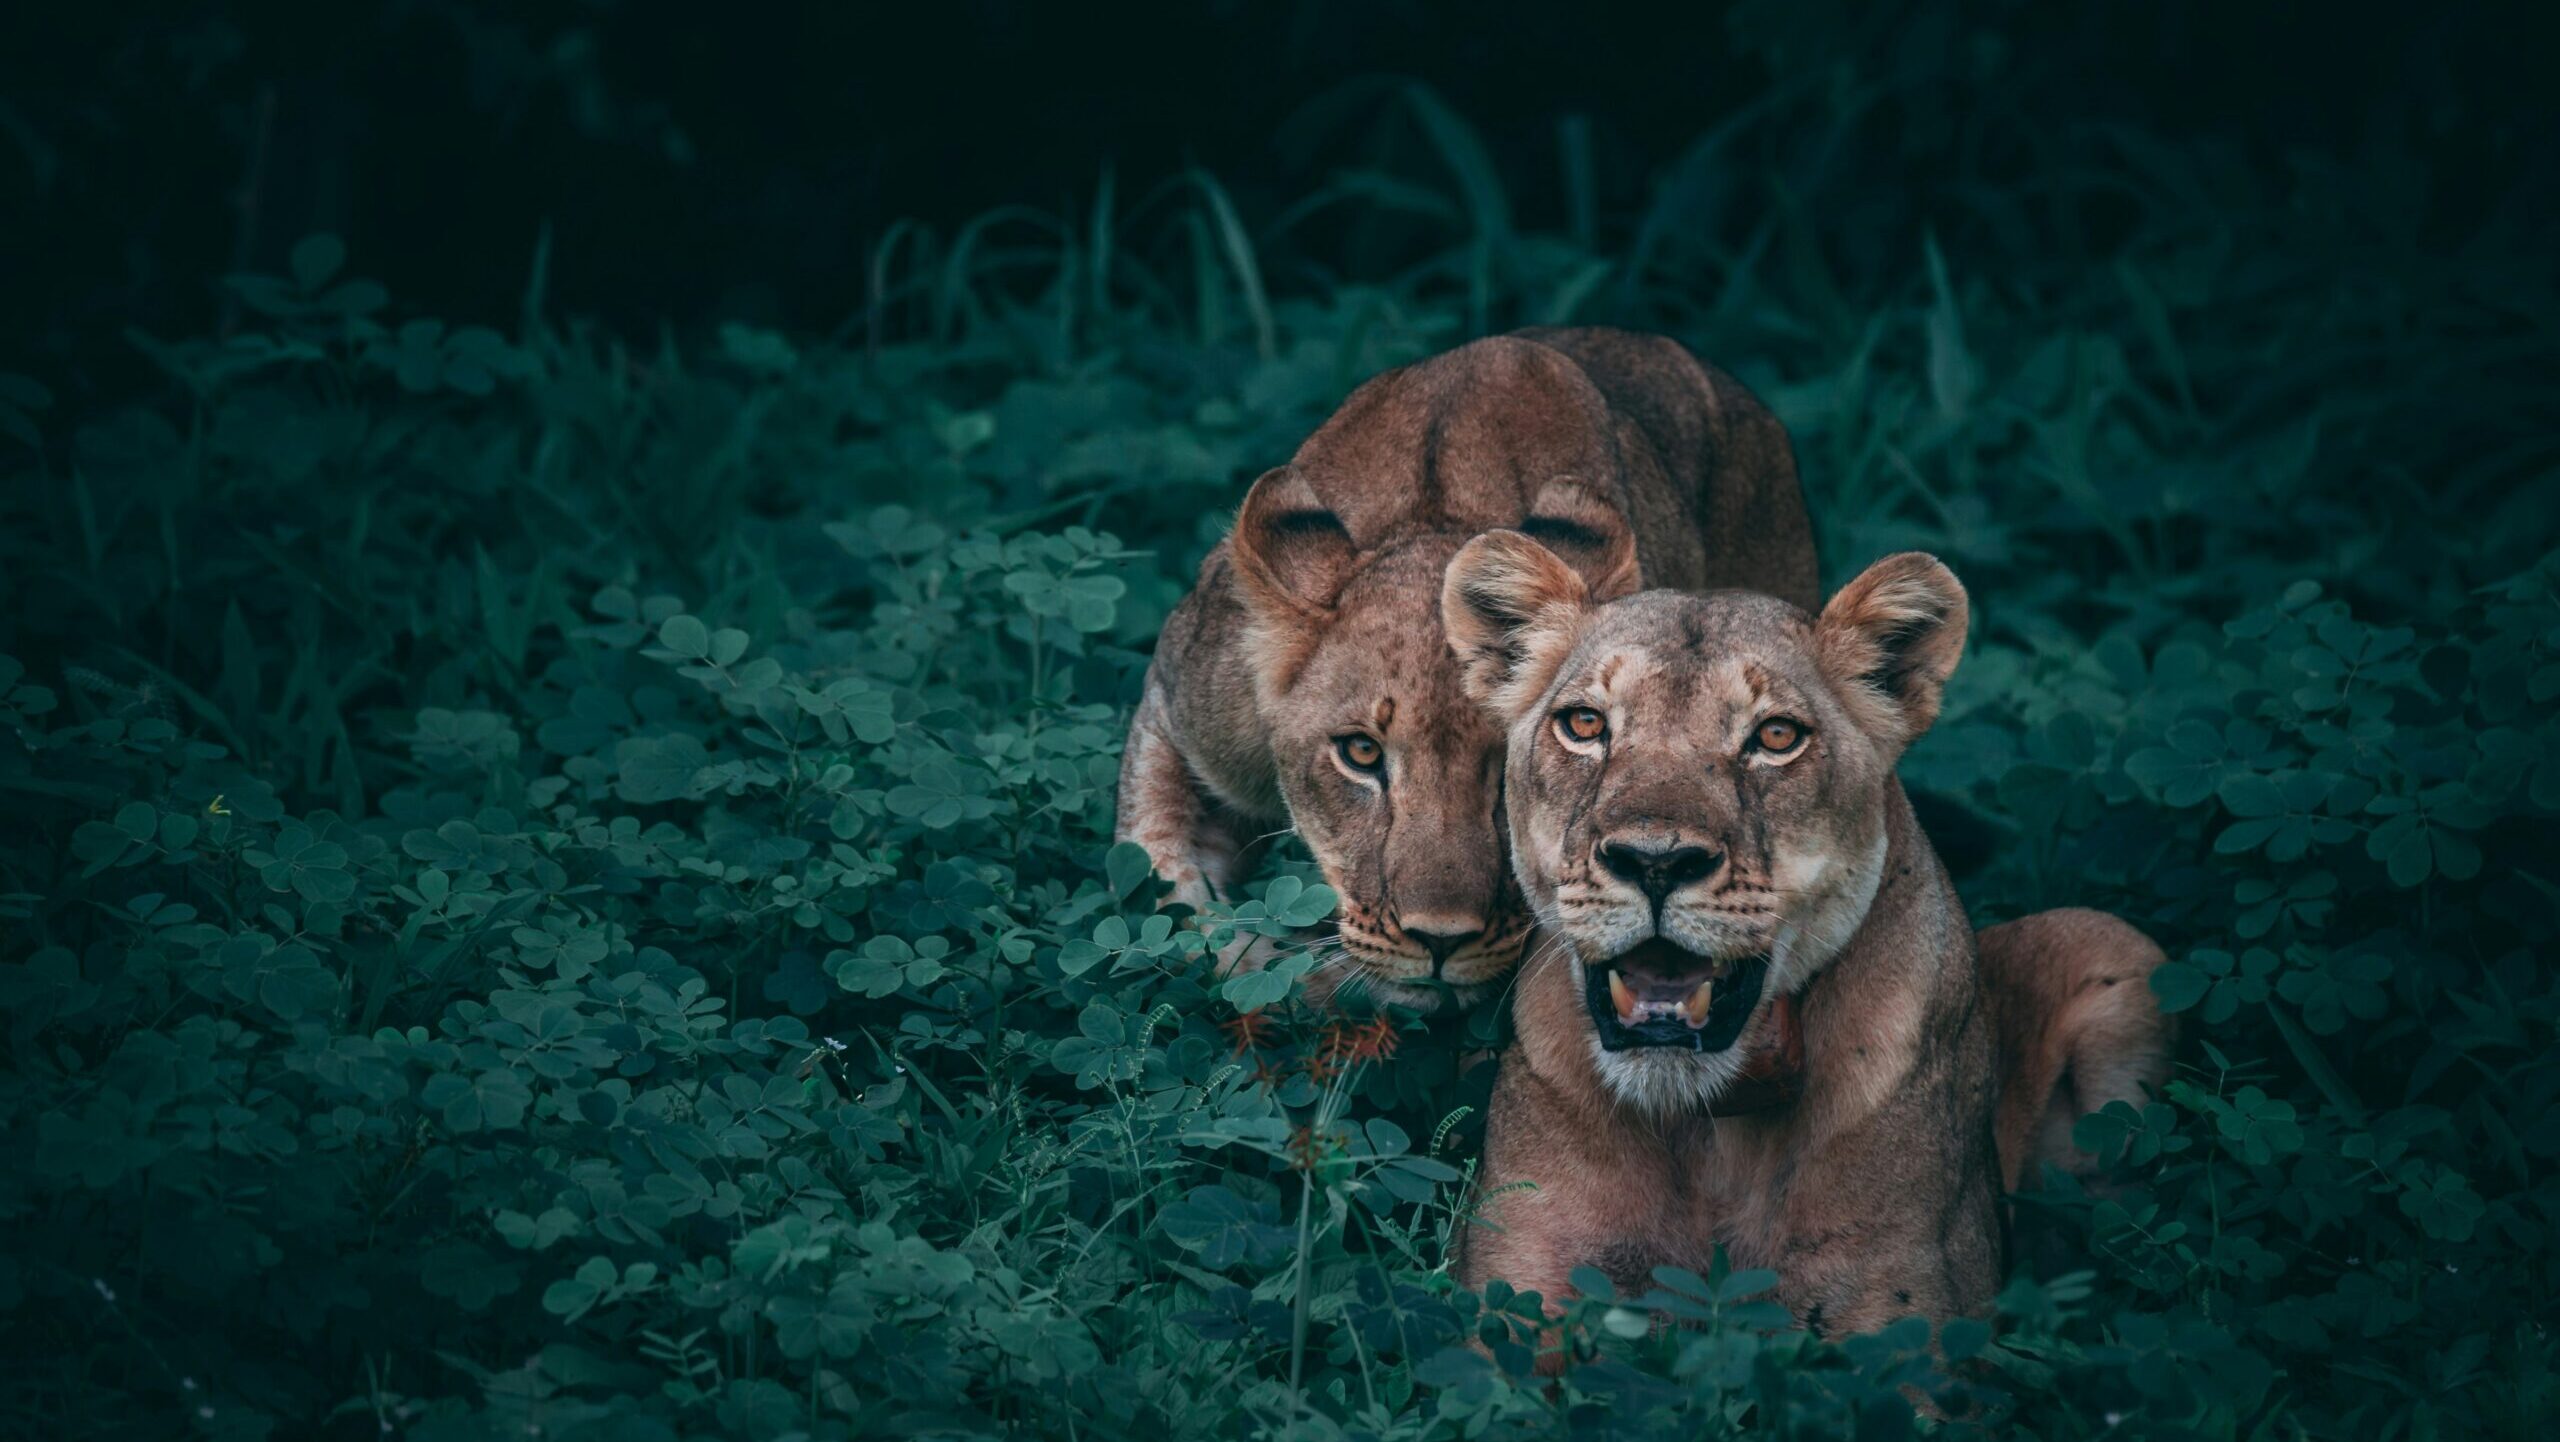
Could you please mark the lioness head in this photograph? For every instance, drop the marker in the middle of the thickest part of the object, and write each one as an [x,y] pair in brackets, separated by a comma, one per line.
[1697,784]
[1390,772]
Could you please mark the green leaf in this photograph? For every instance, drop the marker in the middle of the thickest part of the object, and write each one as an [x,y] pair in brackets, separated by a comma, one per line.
[689,637]
[1963,1338]
[1125,866]
[2252,795]
[139,820]
[1307,908]
[2179,986]
[489,1100]
[1225,1230]
[1267,986]
[1593,1283]
[2261,1127]
[1748,1282]
[1078,956]
[2442,1203]
[659,768]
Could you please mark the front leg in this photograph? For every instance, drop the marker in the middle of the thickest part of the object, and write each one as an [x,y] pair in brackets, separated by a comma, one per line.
[1198,844]
[1588,1201]
[1528,1238]
[1863,1257]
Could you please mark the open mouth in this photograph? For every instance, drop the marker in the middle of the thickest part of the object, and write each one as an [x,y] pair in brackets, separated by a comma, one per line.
[1657,995]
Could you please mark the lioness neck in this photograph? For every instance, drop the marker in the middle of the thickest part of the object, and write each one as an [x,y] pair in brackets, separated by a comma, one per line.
[1879,1016]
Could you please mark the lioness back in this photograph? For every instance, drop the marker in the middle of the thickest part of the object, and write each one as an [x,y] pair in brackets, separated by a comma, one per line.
[1306,680]
[1463,443]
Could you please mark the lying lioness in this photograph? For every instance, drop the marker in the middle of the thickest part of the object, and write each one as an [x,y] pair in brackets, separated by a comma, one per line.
[1753,1016]
[1305,681]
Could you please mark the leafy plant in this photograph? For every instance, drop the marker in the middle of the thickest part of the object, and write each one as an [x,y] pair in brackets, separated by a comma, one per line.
[564,888]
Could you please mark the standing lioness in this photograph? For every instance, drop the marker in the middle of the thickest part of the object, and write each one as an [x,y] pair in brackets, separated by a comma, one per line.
[1730,887]
[1305,681]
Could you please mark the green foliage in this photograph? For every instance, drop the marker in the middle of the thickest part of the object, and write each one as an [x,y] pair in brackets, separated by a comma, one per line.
[568,888]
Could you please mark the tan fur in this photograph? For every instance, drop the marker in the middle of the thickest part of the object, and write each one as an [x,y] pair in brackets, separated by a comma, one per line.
[2077,1027]
[1875,1195]
[1319,616]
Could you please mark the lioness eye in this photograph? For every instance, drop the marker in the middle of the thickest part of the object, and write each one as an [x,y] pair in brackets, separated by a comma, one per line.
[1779,735]
[1581,723]
[1360,753]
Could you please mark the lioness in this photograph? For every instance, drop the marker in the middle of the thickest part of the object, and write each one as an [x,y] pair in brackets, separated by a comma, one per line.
[1305,680]
[1754,1016]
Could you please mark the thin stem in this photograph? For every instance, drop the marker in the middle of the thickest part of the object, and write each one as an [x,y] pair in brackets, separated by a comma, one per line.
[1298,1298]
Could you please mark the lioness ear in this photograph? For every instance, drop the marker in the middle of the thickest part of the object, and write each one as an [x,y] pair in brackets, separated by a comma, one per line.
[1584,526]
[1513,609]
[1892,637]
[1291,551]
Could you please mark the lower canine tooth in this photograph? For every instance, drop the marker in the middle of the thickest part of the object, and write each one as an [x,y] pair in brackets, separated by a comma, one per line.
[1694,1010]
[1624,999]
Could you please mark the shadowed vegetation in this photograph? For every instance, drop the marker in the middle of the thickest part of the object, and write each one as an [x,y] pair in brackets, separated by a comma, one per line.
[558,875]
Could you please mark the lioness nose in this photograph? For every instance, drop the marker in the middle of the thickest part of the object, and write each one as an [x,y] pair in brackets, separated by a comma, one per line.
[1442,944]
[1658,869]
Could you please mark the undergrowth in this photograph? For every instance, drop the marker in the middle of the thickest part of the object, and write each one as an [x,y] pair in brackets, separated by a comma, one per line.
[562,887]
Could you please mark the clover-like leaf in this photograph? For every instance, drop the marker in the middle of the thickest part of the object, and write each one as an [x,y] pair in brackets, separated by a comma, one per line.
[1225,1229]
[689,638]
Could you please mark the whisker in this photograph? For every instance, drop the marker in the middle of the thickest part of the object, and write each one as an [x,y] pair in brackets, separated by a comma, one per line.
[1511,984]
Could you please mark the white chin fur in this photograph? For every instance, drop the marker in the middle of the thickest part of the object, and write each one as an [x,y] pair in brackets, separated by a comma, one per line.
[1843,891]
[1662,1081]
[1666,1082]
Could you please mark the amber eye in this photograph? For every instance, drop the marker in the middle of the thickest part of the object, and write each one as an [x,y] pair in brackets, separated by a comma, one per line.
[1779,735]
[1581,723]
[1360,753]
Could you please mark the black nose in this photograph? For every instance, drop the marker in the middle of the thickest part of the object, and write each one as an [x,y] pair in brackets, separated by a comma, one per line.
[1658,870]
[1442,944]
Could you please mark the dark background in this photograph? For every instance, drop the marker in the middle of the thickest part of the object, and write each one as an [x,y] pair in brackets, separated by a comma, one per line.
[700,162]
[2216,347]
